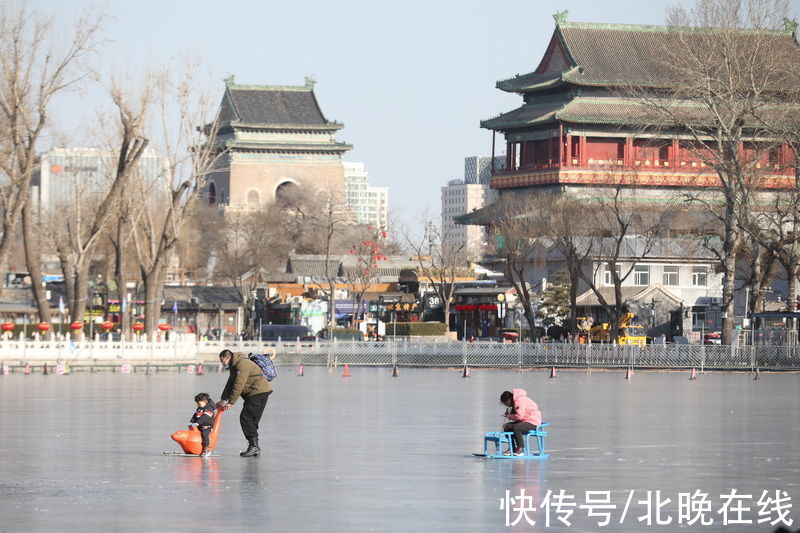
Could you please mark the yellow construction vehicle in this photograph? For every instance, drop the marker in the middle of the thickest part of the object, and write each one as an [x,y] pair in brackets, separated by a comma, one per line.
[632,334]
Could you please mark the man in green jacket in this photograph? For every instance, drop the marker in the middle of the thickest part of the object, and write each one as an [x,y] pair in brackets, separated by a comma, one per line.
[246,380]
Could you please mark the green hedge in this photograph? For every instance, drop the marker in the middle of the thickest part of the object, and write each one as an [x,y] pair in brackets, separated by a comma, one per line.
[347,334]
[410,329]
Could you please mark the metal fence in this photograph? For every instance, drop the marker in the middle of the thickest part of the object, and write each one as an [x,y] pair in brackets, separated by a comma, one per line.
[409,353]
[505,355]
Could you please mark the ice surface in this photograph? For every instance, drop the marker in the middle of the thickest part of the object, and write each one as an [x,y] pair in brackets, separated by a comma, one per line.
[83,452]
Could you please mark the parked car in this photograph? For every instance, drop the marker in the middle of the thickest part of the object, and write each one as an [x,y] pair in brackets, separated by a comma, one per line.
[286,332]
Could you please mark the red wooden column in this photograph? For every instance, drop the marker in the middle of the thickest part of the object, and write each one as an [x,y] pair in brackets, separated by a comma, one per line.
[561,145]
[674,153]
[582,150]
[627,161]
[568,151]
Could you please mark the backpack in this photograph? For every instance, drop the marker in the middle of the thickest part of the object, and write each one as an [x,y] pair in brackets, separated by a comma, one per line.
[265,364]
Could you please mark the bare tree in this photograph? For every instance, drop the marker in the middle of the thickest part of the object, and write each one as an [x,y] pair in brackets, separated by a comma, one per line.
[441,260]
[34,70]
[78,225]
[519,228]
[330,219]
[159,209]
[624,234]
[729,68]
[366,252]
[761,255]
[567,234]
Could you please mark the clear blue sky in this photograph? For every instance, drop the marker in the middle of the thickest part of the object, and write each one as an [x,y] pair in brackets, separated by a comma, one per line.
[410,80]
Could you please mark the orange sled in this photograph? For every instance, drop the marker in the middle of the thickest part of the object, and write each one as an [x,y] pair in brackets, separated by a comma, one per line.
[191,440]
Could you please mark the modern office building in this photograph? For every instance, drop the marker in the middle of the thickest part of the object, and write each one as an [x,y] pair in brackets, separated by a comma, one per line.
[67,175]
[460,197]
[479,168]
[369,205]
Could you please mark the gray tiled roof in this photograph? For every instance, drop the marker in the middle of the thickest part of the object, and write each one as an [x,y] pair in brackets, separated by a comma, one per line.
[388,269]
[589,298]
[277,106]
[636,246]
[313,266]
[618,55]
[208,297]
[617,111]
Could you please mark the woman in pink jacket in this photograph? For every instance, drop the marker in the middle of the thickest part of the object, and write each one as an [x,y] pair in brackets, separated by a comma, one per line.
[524,416]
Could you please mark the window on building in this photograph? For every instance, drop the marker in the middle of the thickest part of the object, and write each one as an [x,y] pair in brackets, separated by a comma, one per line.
[641,275]
[700,276]
[670,276]
[607,279]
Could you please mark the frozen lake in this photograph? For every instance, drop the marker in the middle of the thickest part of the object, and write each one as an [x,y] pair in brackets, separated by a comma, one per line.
[83,452]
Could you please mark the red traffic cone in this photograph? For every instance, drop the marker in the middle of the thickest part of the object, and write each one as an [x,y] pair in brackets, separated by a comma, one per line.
[757,375]
[553,373]
[300,370]
[693,376]
[200,369]
[26,369]
[346,373]
[465,374]
[629,373]
[394,371]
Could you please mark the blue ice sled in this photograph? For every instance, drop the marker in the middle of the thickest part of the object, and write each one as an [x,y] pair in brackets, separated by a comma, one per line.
[507,437]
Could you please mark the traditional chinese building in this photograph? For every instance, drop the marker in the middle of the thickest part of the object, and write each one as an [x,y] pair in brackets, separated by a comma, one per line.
[277,139]
[585,128]
[576,129]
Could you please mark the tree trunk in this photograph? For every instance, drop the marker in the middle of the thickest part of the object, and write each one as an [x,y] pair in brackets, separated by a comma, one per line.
[81,292]
[153,288]
[67,270]
[729,246]
[33,260]
[119,279]
[574,280]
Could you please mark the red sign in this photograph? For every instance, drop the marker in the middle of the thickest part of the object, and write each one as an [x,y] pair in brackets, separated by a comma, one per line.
[55,169]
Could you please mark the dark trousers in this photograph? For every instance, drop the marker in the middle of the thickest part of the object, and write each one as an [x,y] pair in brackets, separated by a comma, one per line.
[251,414]
[204,433]
[519,429]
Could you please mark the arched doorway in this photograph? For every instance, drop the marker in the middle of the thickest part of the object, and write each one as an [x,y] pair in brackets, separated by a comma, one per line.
[287,194]
[212,194]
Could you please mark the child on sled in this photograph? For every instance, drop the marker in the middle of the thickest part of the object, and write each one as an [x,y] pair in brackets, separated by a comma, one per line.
[203,418]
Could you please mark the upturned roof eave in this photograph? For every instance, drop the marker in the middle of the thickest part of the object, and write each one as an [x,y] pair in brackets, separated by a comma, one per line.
[328,126]
[290,147]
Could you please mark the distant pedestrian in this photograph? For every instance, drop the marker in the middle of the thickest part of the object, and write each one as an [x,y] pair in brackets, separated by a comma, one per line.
[203,418]
[524,416]
[248,381]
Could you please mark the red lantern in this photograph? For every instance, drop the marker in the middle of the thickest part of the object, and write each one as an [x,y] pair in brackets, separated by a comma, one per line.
[43,326]
[164,327]
[138,327]
[107,325]
[8,327]
[76,326]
